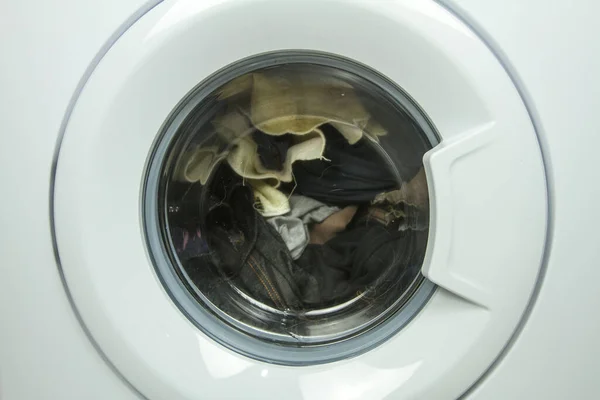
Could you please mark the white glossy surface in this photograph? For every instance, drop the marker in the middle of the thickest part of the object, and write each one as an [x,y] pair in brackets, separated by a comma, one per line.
[474,250]
[550,45]
[45,47]
[553,49]
[463,90]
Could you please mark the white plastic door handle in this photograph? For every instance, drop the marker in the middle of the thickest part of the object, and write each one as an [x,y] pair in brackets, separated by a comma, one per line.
[461,171]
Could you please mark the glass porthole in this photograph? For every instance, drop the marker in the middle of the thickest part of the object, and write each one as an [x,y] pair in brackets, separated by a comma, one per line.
[286,207]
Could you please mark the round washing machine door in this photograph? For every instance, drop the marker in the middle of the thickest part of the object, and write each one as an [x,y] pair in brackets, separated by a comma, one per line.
[183,307]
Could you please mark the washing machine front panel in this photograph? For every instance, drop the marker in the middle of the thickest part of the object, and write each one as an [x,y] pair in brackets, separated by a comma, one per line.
[486,181]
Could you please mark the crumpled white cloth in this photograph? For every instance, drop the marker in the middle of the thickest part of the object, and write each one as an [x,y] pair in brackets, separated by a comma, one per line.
[293,225]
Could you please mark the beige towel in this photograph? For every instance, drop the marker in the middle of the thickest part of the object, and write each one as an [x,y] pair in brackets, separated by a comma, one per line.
[270,202]
[283,101]
[197,164]
[235,128]
[279,102]
[245,161]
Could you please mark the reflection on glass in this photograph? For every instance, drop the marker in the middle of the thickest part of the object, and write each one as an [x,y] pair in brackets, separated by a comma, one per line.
[295,204]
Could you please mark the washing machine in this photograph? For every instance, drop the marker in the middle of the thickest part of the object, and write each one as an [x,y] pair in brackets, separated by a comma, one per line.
[124,123]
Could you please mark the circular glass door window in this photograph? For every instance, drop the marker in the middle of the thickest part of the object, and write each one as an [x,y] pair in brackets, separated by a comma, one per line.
[286,207]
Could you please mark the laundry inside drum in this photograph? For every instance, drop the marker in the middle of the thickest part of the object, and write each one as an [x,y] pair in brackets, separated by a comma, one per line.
[294,204]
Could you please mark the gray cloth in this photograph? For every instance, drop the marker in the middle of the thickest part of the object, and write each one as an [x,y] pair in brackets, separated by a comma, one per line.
[292,226]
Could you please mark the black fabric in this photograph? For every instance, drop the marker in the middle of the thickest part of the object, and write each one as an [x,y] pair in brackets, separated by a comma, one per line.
[352,174]
[189,244]
[405,143]
[272,150]
[356,259]
[246,249]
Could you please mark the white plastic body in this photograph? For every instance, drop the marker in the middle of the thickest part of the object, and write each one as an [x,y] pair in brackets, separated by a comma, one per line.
[45,354]
[486,178]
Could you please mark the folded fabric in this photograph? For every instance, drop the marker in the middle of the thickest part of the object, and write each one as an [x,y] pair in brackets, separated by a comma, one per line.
[402,215]
[285,100]
[290,107]
[272,150]
[197,163]
[270,202]
[384,214]
[413,192]
[348,174]
[293,226]
[245,159]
